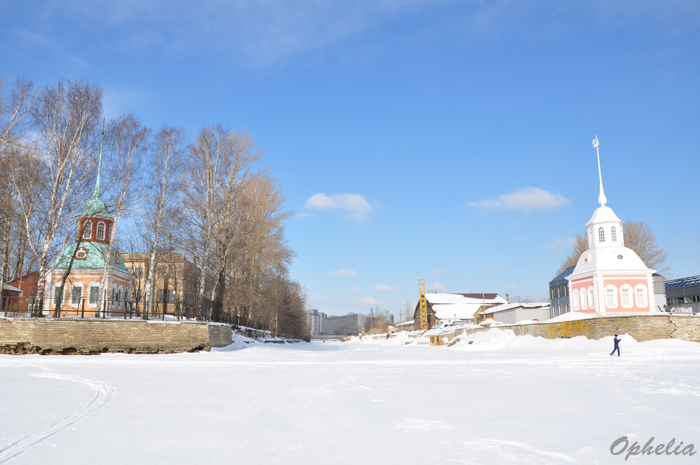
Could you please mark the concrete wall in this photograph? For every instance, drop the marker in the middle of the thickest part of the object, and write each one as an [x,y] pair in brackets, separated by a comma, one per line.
[640,327]
[78,336]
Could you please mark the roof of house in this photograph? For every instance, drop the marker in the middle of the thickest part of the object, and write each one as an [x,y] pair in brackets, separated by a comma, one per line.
[682,282]
[515,306]
[563,274]
[460,306]
[7,287]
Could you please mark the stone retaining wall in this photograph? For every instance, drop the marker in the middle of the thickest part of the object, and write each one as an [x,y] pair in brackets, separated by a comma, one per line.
[640,327]
[94,336]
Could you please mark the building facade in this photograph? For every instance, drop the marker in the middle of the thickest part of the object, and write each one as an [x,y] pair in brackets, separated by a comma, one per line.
[346,325]
[315,320]
[683,294]
[609,277]
[559,293]
[176,282]
[79,269]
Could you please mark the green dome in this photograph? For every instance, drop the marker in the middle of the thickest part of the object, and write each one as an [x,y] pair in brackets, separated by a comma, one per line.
[96,208]
[95,257]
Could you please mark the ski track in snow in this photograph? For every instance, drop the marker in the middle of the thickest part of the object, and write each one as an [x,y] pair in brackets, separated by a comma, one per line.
[104,395]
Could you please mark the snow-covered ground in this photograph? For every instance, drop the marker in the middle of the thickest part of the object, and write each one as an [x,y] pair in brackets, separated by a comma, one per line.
[499,400]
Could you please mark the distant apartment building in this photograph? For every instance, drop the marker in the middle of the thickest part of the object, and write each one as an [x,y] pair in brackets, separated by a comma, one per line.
[316,322]
[344,325]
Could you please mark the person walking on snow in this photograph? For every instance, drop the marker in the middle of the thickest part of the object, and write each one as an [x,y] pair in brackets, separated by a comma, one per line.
[617,346]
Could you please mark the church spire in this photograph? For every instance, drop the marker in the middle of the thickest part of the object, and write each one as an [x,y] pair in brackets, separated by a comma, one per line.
[97,193]
[601,197]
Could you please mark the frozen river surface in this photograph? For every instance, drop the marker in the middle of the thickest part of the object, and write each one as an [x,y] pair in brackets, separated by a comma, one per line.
[500,400]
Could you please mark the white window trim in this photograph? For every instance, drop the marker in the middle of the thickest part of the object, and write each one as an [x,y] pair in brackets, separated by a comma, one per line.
[575,299]
[615,296]
[90,286]
[601,234]
[104,231]
[591,298]
[631,291]
[584,299]
[87,236]
[82,290]
[646,296]
[120,296]
[613,234]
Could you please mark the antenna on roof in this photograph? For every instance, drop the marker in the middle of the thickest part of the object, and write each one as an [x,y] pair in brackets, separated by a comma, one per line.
[601,197]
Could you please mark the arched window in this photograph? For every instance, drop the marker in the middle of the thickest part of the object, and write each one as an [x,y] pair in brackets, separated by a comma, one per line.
[626,295]
[641,295]
[575,299]
[591,298]
[611,297]
[584,305]
[87,230]
[601,234]
[613,234]
[100,231]
[590,237]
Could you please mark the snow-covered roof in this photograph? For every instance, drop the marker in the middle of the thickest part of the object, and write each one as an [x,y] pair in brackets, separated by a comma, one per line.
[7,287]
[458,306]
[511,306]
[405,323]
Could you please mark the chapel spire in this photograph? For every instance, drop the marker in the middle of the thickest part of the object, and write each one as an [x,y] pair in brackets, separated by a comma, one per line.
[601,197]
[97,193]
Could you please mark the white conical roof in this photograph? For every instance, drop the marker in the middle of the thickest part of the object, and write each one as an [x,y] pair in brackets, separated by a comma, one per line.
[603,215]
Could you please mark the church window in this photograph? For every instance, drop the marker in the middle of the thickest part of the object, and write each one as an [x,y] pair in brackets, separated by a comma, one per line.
[641,294]
[590,237]
[613,234]
[575,299]
[76,294]
[100,231]
[94,294]
[160,295]
[626,295]
[611,297]
[87,230]
[56,295]
[601,234]
[584,305]
[591,298]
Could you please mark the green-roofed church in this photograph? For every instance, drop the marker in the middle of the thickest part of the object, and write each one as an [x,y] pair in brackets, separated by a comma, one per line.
[84,260]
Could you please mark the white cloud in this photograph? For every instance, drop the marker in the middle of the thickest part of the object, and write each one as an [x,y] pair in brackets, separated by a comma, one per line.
[368,301]
[354,289]
[437,271]
[355,205]
[512,286]
[343,272]
[525,200]
[436,286]
[384,287]
[561,244]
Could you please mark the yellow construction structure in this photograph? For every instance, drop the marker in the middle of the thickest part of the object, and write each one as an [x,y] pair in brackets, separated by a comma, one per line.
[423,304]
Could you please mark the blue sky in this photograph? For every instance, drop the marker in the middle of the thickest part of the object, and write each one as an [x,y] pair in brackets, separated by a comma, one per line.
[449,141]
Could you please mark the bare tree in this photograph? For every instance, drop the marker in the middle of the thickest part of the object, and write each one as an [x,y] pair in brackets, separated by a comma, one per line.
[167,162]
[66,117]
[126,146]
[638,236]
[14,108]
[580,246]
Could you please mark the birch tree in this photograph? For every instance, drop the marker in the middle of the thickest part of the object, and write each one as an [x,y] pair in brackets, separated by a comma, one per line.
[167,162]
[66,117]
[221,160]
[15,105]
[127,142]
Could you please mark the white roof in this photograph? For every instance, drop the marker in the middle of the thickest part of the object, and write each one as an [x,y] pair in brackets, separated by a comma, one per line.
[511,306]
[457,306]
[7,287]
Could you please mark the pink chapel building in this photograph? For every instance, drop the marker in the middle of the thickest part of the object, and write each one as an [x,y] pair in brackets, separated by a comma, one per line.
[609,277]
